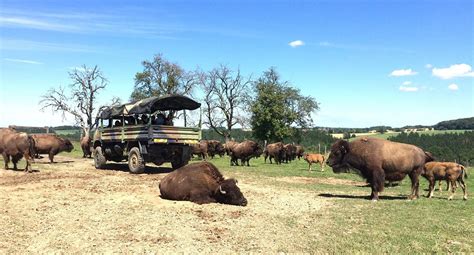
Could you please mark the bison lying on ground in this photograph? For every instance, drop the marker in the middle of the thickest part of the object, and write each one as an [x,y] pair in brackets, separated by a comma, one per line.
[201,183]
[16,145]
[378,160]
[448,171]
[275,151]
[314,158]
[86,146]
[51,144]
[244,151]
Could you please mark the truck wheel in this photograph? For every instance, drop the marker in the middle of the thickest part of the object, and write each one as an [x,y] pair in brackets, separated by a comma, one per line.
[99,158]
[136,164]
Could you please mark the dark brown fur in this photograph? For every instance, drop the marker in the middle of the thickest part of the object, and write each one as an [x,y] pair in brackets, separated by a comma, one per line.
[299,151]
[275,151]
[290,152]
[244,151]
[379,160]
[16,145]
[51,144]
[449,171]
[201,183]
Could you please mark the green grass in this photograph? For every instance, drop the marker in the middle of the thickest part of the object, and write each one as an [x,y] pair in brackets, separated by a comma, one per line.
[434,132]
[392,225]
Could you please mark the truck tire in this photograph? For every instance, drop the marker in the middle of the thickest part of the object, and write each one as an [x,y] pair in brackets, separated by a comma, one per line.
[99,158]
[136,164]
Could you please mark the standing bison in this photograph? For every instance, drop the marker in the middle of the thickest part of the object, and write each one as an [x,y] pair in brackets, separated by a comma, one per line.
[228,145]
[314,158]
[201,183]
[299,151]
[449,171]
[215,148]
[86,146]
[16,145]
[51,145]
[290,152]
[244,151]
[275,151]
[378,160]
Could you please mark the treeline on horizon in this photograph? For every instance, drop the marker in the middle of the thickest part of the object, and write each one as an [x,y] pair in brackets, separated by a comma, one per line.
[452,147]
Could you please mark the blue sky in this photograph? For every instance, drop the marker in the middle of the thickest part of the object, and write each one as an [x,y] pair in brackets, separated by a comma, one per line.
[366,62]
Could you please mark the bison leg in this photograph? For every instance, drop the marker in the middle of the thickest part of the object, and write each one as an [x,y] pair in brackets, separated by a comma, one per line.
[322,166]
[309,167]
[6,159]
[415,185]
[51,157]
[431,187]
[200,198]
[463,187]
[376,183]
[453,190]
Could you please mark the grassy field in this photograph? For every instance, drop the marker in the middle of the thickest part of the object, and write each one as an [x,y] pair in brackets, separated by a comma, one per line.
[393,224]
[351,223]
[434,132]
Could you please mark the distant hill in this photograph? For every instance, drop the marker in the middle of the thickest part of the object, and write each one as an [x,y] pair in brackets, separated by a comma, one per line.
[465,123]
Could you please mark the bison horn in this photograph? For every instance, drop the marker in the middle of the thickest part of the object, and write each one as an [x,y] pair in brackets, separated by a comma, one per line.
[222,191]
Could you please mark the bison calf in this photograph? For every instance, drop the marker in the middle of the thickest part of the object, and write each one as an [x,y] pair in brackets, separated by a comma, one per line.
[201,183]
[449,171]
[314,158]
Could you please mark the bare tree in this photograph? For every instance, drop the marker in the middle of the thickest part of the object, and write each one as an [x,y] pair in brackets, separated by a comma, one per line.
[80,101]
[225,98]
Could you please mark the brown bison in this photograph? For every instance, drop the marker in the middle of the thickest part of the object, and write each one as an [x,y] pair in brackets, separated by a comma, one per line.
[201,149]
[299,151]
[86,146]
[378,160]
[244,151]
[314,158]
[449,171]
[16,145]
[276,151]
[51,144]
[290,152]
[201,183]
[228,145]
[215,148]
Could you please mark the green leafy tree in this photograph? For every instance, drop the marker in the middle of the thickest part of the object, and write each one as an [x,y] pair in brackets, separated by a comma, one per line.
[161,77]
[278,109]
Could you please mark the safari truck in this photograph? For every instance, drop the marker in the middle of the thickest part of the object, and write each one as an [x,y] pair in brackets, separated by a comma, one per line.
[140,133]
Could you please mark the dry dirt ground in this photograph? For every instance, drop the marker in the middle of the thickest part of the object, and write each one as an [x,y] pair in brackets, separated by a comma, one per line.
[70,207]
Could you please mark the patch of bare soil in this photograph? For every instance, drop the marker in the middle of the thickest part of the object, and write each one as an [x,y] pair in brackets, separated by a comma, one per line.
[70,207]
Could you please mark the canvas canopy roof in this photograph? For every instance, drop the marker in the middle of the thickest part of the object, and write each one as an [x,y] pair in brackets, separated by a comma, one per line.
[151,105]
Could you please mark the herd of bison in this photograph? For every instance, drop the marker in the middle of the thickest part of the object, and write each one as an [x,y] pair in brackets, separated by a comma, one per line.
[376,160]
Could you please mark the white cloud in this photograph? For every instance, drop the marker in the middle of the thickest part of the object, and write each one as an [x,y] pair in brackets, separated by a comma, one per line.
[453,87]
[24,61]
[402,72]
[459,70]
[429,66]
[407,83]
[408,89]
[296,43]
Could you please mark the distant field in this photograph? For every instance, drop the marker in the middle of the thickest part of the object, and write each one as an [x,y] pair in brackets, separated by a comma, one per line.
[387,135]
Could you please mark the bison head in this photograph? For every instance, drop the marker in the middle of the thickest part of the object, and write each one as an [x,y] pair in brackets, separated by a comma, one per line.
[68,145]
[229,193]
[336,158]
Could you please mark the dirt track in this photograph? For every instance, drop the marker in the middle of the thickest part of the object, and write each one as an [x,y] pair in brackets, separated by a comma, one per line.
[72,207]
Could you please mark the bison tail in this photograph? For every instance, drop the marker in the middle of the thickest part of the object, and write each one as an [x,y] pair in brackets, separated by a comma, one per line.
[464,172]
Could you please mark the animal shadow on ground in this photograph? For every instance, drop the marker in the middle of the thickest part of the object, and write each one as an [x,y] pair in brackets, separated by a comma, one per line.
[362,197]
[55,162]
[148,169]
[21,170]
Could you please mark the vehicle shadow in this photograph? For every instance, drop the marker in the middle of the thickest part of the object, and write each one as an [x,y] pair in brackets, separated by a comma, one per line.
[55,162]
[361,197]
[148,169]
[20,170]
